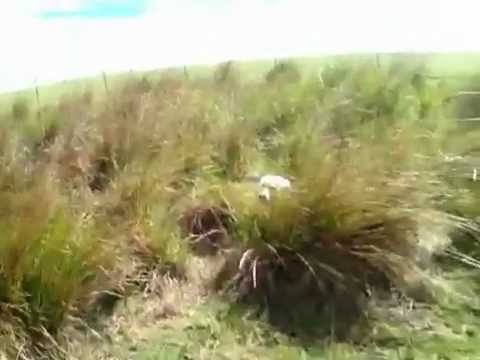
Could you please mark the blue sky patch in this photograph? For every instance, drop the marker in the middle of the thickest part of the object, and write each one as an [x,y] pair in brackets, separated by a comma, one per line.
[91,9]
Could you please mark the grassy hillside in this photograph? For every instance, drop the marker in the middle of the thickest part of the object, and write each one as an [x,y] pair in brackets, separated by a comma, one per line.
[458,68]
[130,228]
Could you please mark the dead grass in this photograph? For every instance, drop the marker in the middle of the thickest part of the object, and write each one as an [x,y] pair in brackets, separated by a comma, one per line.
[163,300]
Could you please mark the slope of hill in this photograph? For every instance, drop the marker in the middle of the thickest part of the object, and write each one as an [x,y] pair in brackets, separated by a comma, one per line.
[130,228]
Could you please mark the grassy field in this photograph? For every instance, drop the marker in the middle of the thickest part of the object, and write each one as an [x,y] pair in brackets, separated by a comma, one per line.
[457,67]
[130,229]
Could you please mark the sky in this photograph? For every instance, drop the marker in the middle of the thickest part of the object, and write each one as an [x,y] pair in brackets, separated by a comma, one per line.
[51,40]
[91,9]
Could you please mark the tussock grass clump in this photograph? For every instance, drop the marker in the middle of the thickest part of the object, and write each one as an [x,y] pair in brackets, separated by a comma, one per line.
[349,227]
[49,262]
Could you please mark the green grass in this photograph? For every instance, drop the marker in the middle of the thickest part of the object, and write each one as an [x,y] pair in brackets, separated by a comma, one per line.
[216,330]
[458,65]
[103,190]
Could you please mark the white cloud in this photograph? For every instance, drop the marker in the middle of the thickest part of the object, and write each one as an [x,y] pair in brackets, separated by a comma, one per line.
[175,33]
